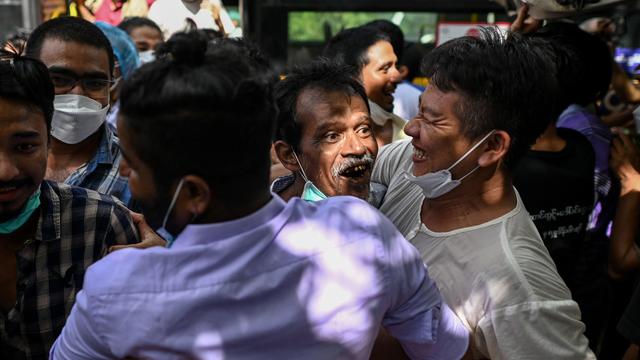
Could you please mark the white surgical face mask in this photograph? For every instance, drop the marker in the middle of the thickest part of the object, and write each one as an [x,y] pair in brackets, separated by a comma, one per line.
[76,117]
[147,56]
[438,183]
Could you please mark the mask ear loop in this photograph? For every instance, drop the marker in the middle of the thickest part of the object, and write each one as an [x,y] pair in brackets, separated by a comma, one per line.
[173,203]
[304,176]
[470,151]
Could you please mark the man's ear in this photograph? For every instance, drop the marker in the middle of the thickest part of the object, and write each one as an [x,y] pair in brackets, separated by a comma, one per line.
[198,195]
[284,153]
[496,148]
[404,71]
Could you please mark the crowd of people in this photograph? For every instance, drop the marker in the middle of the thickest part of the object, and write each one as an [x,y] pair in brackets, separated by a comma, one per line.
[170,195]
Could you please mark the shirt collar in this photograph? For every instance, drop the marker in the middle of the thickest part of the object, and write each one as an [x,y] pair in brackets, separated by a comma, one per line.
[205,233]
[104,154]
[50,214]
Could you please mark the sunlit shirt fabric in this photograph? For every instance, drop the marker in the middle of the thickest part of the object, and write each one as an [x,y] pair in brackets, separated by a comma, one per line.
[294,280]
[497,277]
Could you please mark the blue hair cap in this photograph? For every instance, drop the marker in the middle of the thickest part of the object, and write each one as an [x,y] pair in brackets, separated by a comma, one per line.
[123,47]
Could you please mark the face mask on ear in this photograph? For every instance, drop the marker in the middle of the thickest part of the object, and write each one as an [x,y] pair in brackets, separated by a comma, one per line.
[438,183]
[162,231]
[310,192]
[76,117]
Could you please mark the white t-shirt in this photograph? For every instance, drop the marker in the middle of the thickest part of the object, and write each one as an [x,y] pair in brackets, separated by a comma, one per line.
[498,276]
[171,16]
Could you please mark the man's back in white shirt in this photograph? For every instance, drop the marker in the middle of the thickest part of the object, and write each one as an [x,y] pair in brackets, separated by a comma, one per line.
[294,280]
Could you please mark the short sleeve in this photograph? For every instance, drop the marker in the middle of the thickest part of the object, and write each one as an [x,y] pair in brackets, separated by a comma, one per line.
[534,330]
[122,230]
[388,161]
[417,317]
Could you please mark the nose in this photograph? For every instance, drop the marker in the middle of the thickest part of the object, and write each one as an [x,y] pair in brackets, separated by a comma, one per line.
[353,146]
[8,169]
[394,74]
[412,128]
[77,89]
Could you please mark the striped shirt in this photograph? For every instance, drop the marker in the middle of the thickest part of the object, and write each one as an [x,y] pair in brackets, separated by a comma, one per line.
[101,172]
[75,229]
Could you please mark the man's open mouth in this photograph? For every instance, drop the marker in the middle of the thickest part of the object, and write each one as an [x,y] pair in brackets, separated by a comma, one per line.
[356,171]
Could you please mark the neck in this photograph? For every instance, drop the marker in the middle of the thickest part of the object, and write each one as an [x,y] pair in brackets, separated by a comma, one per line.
[482,197]
[222,213]
[549,140]
[294,189]
[26,231]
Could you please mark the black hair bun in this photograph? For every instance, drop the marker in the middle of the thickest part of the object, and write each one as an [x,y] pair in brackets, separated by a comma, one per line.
[185,48]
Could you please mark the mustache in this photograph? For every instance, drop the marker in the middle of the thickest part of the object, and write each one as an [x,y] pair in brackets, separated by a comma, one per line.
[16,183]
[366,160]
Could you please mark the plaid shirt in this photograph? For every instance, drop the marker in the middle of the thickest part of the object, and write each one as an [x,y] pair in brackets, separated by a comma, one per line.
[101,172]
[75,229]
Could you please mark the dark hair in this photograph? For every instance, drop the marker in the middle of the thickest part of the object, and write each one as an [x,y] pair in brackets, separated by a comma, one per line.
[16,41]
[26,80]
[131,23]
[350,46]
[589,72]
[413,54]
[203,109]
[564,60]
[69,29]
[505,82]
[322,74]
[394,33]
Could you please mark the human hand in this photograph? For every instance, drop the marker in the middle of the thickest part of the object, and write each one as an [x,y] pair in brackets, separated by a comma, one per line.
[625,162]
[525,24]
[148,237]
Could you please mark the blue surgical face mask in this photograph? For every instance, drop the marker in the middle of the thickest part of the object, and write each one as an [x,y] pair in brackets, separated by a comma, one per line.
[310,192]
[162,231]
[14,224]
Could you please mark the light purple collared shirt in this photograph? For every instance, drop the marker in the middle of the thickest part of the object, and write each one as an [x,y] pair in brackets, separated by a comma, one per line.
[293,280]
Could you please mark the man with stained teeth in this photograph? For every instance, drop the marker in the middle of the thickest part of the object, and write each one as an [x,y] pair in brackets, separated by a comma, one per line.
[324,135]
[370,52]
[450,193]
[49,233]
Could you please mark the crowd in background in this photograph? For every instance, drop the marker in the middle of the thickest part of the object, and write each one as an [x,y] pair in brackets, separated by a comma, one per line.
[164,193]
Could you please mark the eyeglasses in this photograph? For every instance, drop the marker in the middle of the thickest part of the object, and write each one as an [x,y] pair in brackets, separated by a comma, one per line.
[95,88]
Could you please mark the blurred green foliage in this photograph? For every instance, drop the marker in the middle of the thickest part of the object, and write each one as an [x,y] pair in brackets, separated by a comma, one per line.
[309,26]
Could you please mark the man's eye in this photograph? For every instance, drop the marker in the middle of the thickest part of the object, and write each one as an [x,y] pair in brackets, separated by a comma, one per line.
[61,81]
[332,137]
[95,84]
[26,147]
[365,130]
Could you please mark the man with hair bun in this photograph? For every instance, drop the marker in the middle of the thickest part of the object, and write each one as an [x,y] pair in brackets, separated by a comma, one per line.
[246,275]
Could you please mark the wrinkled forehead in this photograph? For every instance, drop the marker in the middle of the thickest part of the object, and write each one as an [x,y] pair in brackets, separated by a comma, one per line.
[316,104]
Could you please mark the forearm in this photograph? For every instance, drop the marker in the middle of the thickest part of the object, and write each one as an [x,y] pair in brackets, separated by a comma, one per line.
[623,255]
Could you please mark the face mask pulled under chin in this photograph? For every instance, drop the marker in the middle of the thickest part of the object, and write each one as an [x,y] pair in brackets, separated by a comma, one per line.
[76,117]
[438,183]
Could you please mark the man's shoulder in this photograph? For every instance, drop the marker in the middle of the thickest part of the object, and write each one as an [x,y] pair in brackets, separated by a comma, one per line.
[394,155]
[349,217]
[74,196]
